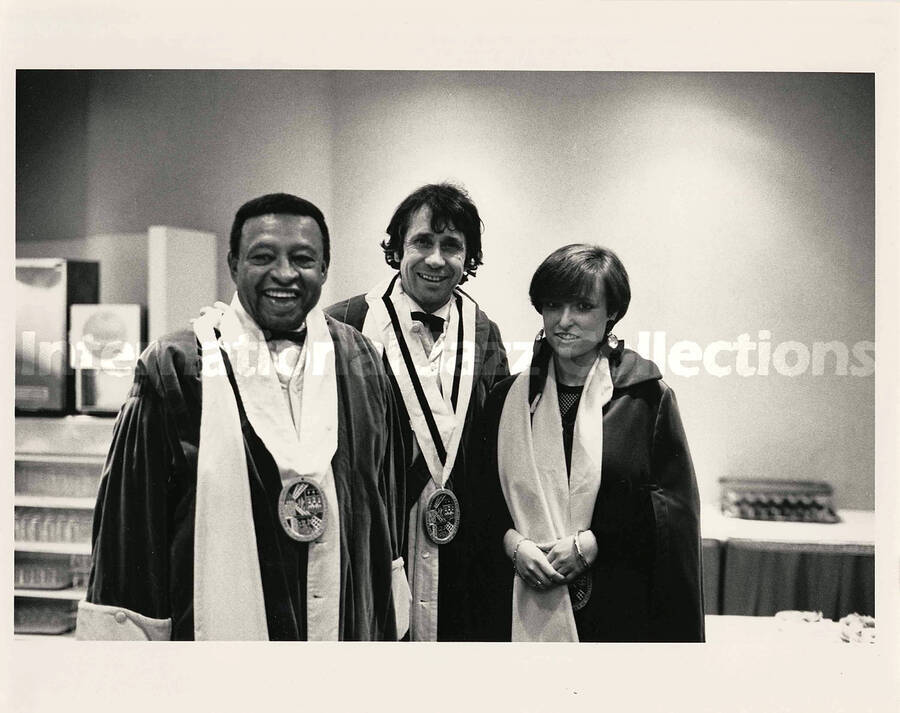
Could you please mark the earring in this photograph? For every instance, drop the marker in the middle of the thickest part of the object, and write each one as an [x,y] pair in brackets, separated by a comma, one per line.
[540,335]
[612,340]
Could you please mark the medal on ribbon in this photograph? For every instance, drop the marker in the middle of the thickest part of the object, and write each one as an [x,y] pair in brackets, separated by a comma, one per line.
[441,516]
[301,510]
[441,513]
[580,590]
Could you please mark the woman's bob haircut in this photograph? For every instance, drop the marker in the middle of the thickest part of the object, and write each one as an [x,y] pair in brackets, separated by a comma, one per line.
[575,272]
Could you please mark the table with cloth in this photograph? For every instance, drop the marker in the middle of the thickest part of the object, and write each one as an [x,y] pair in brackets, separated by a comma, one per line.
[758,567]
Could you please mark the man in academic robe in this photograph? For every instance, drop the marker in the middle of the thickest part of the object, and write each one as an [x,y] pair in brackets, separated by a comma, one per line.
[251,490]
[443,355]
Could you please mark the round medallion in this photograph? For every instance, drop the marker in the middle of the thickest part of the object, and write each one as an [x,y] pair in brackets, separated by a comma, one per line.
[441,516]
[580,590]
[301,509]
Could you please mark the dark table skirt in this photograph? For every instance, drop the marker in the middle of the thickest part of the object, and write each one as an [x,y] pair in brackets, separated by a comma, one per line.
[762,578]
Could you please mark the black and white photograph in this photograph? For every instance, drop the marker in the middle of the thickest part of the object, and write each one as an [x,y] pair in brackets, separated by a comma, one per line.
[547,377]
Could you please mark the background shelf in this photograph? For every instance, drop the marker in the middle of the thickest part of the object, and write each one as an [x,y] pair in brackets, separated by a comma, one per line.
[63,548]
[50,501]
[68,636]
[75,595]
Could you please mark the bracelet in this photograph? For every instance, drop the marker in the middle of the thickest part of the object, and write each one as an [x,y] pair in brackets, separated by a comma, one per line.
[578,550]
[516,556]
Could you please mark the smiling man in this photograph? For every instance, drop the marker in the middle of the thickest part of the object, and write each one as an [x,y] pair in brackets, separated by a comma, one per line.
[444,355]
[224,511]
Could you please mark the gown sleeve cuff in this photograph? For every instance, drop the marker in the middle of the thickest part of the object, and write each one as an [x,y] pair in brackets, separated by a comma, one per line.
[101,622]
[402,596]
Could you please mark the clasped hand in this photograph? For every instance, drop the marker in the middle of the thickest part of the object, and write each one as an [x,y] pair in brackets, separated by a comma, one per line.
[550,564]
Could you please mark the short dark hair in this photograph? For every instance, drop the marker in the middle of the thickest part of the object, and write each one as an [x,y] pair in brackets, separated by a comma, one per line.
[571,272]
[274,204]
[450,206]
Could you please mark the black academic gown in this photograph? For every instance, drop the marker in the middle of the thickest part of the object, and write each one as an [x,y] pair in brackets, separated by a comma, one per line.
[143,534]
[647,576]
[454,587]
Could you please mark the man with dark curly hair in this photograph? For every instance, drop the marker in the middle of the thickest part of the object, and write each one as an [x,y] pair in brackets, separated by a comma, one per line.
[443,356]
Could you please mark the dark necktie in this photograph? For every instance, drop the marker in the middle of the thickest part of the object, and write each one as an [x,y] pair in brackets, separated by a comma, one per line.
[434,323]
[295,337]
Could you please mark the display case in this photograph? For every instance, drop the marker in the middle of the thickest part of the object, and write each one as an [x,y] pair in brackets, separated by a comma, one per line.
[58,465]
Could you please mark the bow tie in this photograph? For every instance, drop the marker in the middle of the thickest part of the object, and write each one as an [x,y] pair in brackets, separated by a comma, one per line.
[295,337]
[434,323]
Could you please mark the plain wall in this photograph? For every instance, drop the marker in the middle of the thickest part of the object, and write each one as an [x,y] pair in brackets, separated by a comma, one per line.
[173,148]
[738,203]
[51,154]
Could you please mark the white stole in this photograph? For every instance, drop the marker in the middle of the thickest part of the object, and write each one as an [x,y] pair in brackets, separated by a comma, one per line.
[228,598]
[422,553]
[546,505]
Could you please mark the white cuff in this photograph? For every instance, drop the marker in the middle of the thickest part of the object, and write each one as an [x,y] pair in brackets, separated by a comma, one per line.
[100,622]
[402,596]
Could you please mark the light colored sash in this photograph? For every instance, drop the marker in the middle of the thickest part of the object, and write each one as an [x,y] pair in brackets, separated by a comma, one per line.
[377,327]
[228,599]
[546,505]
[422,554]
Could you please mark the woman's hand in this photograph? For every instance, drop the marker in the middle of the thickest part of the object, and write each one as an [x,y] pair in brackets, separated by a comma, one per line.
[589,547]
[534,569]
[218,309]
[562,555]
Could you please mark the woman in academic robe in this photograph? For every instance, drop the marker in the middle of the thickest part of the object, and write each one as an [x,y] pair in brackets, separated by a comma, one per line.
[589,510]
